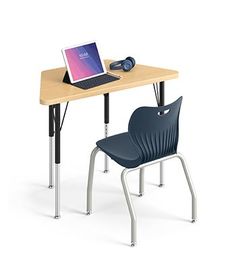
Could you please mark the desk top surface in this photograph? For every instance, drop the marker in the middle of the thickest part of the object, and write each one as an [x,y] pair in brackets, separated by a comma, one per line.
[54,91]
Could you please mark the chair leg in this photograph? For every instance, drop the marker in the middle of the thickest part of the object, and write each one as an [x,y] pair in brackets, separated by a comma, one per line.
[190,184]
[90,179]
[130,207]
[141,182]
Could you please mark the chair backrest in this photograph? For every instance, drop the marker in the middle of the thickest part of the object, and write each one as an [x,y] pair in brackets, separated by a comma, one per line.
[155,130]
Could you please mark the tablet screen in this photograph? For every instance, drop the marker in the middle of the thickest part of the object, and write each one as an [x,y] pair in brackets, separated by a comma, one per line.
[83,62]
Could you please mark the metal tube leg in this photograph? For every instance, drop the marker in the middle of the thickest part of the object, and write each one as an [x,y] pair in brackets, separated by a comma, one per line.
[51,138]
[191,187]
[57,160]
[51,162]
[160,98]
[106,161]
[90,180]
[57,191]
[131,209]
[141,182]
[162,103]
[106,122]
[161,174]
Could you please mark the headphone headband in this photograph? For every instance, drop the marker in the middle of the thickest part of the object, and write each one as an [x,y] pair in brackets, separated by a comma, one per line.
[116,65]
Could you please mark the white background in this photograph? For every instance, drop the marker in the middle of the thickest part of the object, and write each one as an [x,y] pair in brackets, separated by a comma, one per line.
[197,38]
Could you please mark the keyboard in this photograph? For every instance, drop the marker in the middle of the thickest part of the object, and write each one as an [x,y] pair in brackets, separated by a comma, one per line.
[96,81]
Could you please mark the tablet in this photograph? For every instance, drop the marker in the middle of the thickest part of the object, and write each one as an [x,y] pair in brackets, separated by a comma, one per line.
[83,61]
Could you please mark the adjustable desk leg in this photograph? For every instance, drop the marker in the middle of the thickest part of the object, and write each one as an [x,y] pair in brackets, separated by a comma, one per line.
[162,103]
[51,140]
[106,122]
[57,160]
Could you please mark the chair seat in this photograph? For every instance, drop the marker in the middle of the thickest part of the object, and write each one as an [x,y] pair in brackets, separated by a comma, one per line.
[121,149]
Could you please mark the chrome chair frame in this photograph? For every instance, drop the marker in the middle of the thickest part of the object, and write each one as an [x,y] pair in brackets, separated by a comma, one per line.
[141,187]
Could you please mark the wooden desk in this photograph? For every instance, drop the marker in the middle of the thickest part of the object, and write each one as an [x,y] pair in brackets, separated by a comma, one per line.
[53,92]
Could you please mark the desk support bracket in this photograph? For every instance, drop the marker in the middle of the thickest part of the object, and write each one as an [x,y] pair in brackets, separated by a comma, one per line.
[160,98]
[106,124]
[63,115]
[156,92]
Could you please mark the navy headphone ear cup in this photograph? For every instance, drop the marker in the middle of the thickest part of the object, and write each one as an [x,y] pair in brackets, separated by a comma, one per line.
[127,65]
[116,65]
[132,60]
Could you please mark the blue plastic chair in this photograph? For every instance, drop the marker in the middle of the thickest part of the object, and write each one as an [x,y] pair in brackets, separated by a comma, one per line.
[152,137]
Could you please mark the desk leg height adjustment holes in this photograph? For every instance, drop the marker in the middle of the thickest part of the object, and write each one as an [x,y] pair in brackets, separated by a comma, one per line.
[57,191]
[51,162]
[57,159]
[106,162]
[159,92]
[51,149]
[106,124]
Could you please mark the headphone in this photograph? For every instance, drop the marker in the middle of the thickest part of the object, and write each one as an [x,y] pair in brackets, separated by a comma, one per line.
[126,64]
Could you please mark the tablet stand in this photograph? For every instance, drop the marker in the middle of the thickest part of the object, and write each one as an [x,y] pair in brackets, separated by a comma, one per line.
[66,78]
